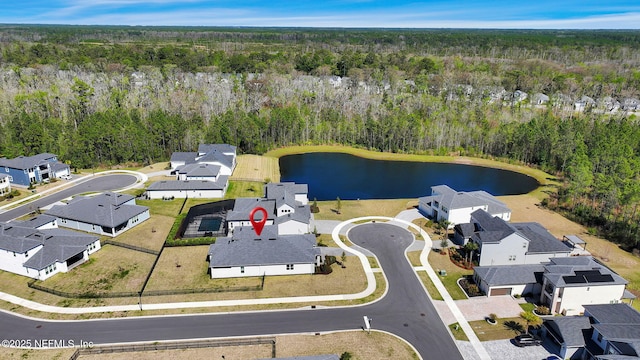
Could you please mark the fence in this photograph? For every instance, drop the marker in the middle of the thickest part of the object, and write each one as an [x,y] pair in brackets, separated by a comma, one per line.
[93,295]
[131,247]
[174,345]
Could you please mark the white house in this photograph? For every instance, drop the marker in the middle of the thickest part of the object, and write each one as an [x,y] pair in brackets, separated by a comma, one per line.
[40,254]
[246,254]
[104,214]
[201,174]
[286,205]
[192,189]
[446,204]
[5,184]
[223,155]
[570,283]
[502,243]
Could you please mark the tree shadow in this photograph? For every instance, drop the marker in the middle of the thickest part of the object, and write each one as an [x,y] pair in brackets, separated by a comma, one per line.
[514,326]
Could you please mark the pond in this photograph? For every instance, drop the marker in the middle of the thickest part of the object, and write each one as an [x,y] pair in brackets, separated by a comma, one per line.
[332,175]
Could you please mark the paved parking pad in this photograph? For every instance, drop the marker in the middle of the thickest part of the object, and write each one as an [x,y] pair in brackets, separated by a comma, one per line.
[480,307]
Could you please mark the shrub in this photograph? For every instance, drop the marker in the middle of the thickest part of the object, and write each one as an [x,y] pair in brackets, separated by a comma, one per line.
[345,356]
[543,310]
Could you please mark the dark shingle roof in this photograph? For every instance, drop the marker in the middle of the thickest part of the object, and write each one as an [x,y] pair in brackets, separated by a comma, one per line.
[577,271]
[58,245]
[243,207]
[245,248]
[26,162]
[186,157]
[613,313]
[301,213]
[453,199]
[509,274]
[199,170]
[571,329]
[36,221]
[106,209]
[540,240]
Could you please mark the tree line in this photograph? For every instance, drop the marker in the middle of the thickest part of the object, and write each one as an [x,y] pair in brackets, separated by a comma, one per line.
[136,100]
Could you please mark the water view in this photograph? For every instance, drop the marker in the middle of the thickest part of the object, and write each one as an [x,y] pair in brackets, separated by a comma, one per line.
[349,177]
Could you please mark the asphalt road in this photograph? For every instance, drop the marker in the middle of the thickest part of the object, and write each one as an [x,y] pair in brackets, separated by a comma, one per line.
[405,311]
[98,183]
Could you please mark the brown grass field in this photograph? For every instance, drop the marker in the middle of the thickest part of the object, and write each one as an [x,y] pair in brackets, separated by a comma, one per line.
[361,345]
[192,273]
[256,168]
[356,208]
[150,234]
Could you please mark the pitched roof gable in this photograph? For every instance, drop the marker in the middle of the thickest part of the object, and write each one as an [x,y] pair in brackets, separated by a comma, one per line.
[106,209]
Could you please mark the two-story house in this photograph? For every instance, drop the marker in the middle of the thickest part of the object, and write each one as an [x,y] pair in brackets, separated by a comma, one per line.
[604,332]
[5,184]
[447,204]
[27,170]
[286,205]
[503,243]
[570,283]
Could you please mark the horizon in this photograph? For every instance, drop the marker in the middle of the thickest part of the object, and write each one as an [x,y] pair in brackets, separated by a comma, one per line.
[331,14]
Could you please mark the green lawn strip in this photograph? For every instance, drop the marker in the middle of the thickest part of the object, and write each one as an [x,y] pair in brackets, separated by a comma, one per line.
[350,209]
[428,284]
[506,328]
[441,262]
[457,332]
[528,307]
[238,189]
[162,207]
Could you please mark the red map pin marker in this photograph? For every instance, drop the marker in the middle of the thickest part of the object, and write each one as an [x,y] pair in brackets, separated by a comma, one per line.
[258,225]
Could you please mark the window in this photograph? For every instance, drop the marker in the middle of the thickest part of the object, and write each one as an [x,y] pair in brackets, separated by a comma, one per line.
[241,269]
[10,178]
[599,337]
[512,258]
[289,266]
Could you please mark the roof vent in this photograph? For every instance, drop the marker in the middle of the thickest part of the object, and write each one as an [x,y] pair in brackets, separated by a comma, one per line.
[272,238]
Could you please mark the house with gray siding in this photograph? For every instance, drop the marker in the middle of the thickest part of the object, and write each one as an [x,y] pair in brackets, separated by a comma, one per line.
[104,214]
[603,332]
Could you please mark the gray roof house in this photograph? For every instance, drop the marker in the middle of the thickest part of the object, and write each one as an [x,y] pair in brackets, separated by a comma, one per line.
[604,332]
[570,283]
[247,254]
[5,184]
[286,205]
[105,214]
[42,253]
[212,162]
[25,170]
[447,204]
[502,243]
[509,279]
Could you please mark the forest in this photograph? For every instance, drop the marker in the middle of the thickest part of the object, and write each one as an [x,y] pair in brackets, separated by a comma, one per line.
[564,101]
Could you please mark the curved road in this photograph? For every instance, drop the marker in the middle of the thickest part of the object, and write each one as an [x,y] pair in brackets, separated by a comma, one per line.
[405,311]
[98,183]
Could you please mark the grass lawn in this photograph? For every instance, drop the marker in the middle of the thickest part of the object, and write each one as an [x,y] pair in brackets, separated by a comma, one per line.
[161,166]
[256,168]
[162,207]
[457,332]
[111,269]
[357,208]
[428,284]
[442,262]
[238,189]
[150,234]
[414,257]
[192,274]
[488,332]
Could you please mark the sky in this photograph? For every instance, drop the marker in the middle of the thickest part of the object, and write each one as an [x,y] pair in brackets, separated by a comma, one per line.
[500,14]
